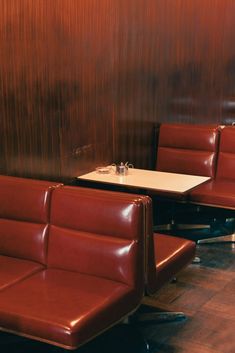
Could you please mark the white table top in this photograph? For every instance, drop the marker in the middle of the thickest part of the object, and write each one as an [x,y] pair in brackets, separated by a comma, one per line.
[148,179]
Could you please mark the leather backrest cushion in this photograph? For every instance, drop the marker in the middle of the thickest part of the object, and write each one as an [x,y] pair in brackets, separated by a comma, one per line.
[98,233]
[186,161]
[24,199]
[96,211]
[95,254]
[226,160]
[188,149]
[24,216]
[23,240]
[199,137]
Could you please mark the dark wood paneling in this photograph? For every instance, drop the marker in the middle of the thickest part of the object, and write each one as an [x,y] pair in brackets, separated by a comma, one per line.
[56,86]
[83,82]
[176,64]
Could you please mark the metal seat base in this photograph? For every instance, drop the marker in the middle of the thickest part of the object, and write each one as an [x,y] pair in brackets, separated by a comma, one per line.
[230,238]
[159,317]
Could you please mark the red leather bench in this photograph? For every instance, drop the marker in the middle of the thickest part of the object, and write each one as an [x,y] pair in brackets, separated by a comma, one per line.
[218,195]
[24,219]
[220,192]
[206,150]
[71,260]
[75,261]
[165,257]
[187,149]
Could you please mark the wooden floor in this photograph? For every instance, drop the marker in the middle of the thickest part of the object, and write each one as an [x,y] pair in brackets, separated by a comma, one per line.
[205,292]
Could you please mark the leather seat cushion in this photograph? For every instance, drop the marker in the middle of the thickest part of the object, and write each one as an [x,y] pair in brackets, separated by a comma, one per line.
[13,270]
[63,307]
[171,254]
[219,193]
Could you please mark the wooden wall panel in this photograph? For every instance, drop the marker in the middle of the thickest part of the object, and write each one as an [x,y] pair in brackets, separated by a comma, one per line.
[176,64]
[56,86]
[83,82]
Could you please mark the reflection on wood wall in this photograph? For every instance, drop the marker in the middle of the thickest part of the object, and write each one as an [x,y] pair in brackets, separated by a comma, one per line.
[83,82]
[176,64]
[56,79]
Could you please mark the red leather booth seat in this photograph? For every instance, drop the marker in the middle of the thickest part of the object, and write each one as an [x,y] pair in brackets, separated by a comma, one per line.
[80,275]
[171,255]
[220,192]
[165,256]
[184,149]
[75,261]
[187,149]
[24,218]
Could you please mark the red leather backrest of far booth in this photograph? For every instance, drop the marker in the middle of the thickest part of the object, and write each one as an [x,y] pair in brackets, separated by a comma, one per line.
[97,232]
[188,149]
[24,217]
[226,159]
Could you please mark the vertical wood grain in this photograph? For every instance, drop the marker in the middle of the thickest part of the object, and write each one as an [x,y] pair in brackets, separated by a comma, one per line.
[56,70]
[83,82]
[176,64]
